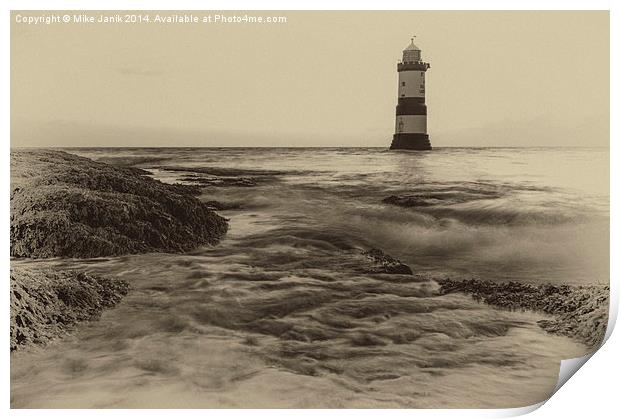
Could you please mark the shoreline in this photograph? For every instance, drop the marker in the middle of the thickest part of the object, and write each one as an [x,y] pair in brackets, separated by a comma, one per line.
[580,312]
[100,200]
[66,206]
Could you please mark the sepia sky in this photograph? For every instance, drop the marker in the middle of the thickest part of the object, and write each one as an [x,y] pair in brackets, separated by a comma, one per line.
[321,79]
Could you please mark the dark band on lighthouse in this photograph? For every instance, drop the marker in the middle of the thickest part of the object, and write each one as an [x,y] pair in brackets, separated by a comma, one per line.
[411,132]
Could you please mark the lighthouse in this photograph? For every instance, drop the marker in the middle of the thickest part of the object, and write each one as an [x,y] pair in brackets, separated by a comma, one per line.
[410,132]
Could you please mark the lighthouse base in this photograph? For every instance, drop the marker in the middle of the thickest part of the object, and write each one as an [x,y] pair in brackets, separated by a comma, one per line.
[411,142]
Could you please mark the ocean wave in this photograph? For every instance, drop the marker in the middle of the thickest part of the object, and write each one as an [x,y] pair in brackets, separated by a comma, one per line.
[504,214]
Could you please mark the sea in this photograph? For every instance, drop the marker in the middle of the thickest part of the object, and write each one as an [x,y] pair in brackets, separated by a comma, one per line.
[276,315]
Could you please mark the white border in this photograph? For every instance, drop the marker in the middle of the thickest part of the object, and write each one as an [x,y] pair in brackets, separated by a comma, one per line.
[571,401]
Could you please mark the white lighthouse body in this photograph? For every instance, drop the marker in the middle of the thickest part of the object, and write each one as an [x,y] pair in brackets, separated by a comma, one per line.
[411,132]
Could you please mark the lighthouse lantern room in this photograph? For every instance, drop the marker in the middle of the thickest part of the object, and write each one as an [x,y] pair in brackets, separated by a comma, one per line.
[410,132]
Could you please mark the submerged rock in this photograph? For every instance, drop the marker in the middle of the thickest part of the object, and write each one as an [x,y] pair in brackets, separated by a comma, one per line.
[383,263]
[223,176]
[47,303]
[427,195]
[580,312]
[205,180]
[223,206]
[223,171]
[410,200]
[63,205]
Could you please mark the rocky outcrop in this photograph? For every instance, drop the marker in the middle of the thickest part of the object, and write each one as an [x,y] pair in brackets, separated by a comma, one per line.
[47,303]
[580,312]
[63,205]
[386,264]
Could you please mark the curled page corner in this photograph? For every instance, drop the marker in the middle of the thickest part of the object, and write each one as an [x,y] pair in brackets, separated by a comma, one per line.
[518,411]
[568,367]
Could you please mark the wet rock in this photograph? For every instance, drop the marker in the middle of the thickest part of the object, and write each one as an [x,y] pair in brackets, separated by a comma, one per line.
[223,176]
[130,160]
[580,312]
[426,195]
[386,264]
[222,206]
[63,205]
[217,181]
[47,303]
[223,171]
[409,201]
[366,339]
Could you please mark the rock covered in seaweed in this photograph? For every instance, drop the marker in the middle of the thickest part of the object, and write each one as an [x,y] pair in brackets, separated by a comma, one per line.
[383,263]
[63,205]
[580,312]
[46,303]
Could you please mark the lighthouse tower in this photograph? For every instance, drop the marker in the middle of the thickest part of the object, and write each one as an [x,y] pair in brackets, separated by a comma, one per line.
[410,133]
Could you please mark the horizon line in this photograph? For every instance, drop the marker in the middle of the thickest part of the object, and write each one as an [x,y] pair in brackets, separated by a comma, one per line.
[306,147]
